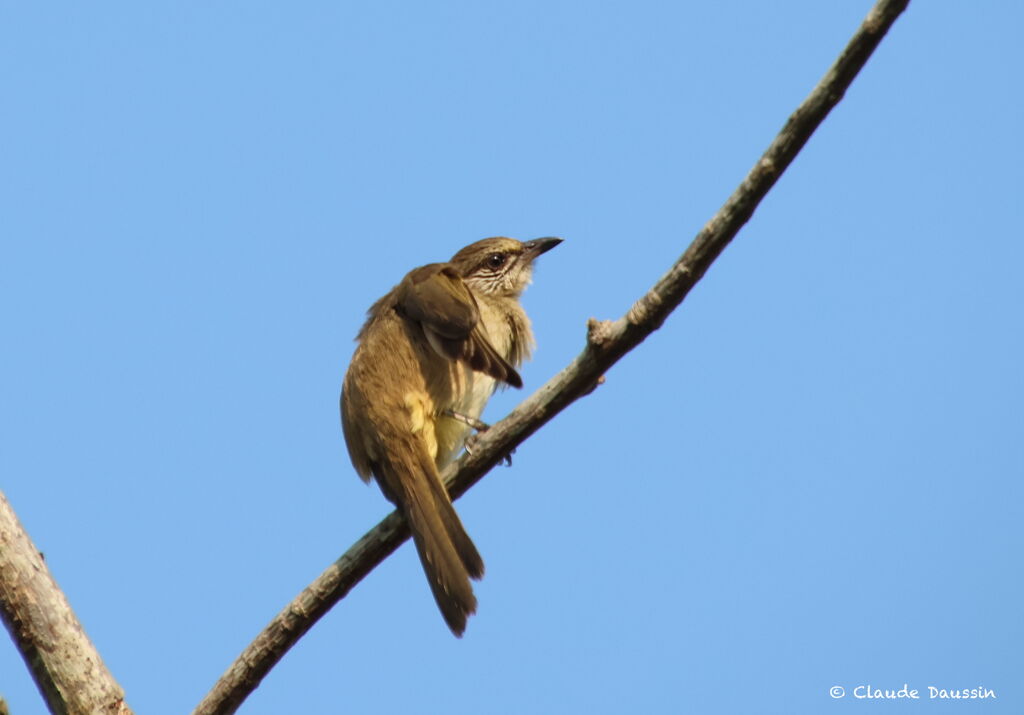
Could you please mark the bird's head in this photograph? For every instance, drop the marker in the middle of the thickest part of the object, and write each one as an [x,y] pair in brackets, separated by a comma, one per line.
[500,266]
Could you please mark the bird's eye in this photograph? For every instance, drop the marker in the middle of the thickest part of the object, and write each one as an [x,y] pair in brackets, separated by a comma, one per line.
[496,260]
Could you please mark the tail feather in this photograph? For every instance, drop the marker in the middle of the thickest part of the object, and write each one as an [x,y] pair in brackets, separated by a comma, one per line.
[448,555]
[464,546]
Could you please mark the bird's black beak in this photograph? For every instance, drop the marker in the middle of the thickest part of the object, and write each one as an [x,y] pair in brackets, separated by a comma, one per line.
[541,245]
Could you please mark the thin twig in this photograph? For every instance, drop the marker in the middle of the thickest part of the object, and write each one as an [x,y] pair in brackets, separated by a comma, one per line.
[62,660]
[606,343]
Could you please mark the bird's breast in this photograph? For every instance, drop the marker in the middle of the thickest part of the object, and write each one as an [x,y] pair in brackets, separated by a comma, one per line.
[472,389]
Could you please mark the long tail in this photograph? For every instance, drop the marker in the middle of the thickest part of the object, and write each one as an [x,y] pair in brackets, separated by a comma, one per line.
[449,557]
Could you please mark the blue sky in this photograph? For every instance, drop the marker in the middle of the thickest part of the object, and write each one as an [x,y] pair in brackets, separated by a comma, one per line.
[810,477]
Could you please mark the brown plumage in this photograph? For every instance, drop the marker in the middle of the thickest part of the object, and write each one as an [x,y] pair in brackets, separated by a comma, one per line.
[440,341]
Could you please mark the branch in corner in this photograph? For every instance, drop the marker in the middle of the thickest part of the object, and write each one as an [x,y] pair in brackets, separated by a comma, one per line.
[63,662]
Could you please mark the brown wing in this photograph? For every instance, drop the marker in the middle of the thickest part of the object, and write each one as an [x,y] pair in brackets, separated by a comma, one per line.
[436,297]
[480,355]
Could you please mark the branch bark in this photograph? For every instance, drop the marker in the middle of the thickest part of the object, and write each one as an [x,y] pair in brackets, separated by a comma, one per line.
[62,660]
[607,342]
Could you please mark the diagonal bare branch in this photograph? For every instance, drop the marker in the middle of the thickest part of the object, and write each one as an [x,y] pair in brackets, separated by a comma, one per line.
[607,342]
[63,661]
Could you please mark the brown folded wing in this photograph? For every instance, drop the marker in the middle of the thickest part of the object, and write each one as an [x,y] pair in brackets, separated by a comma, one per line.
[436,297]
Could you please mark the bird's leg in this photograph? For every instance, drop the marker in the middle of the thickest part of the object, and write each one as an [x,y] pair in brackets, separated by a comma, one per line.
[479,426]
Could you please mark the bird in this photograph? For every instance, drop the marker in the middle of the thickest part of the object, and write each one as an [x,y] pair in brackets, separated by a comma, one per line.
[429,356]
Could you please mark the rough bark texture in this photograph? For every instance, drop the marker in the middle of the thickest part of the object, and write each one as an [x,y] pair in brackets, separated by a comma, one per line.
[606,343]
[65,665]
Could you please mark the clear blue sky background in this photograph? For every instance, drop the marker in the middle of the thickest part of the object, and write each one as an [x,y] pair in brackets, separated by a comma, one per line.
[811,476]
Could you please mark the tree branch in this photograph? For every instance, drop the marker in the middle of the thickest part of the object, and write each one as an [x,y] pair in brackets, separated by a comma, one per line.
[607,342]
[63,661]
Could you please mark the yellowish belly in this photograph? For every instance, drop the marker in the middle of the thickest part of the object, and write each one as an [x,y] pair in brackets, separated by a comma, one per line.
[450,433]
